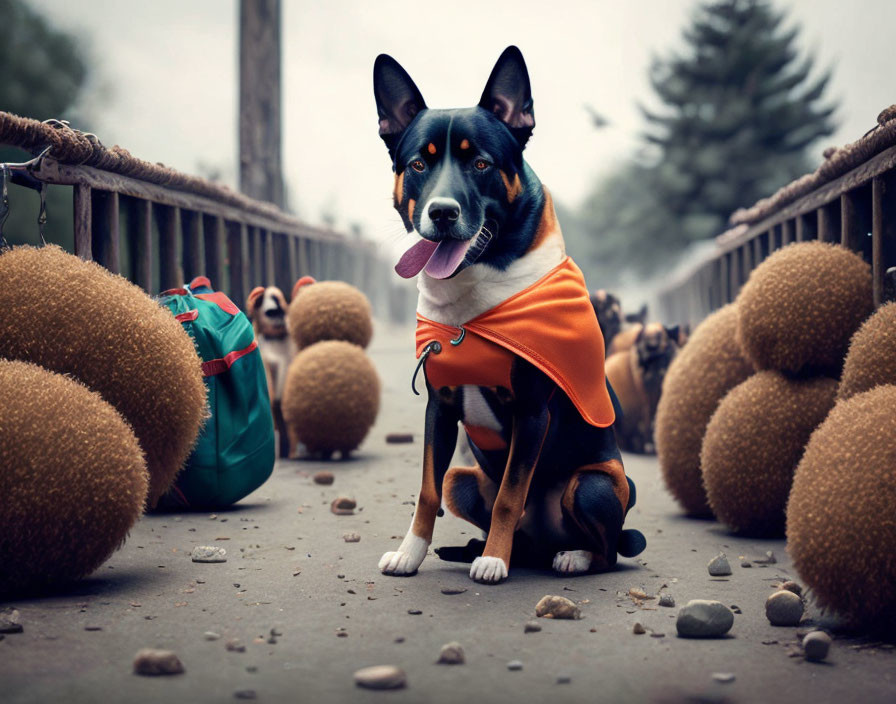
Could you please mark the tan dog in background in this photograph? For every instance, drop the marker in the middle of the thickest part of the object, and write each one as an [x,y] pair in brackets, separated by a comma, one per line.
[266,308]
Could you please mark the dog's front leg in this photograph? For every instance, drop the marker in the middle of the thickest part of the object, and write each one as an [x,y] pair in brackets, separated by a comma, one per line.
[530,428]
[440,438]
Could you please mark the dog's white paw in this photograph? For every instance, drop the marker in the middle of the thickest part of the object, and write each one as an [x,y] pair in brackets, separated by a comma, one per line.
[407,558]
[572,562]
[488,570]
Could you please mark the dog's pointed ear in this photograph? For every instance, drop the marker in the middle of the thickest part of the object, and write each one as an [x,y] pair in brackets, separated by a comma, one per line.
[398,100]
[509,96]
[253,300]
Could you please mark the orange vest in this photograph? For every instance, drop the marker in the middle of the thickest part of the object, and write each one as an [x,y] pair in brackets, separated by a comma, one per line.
[550,324]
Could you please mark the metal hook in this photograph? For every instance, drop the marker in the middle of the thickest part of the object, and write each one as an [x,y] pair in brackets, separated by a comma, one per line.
[22,174]
[435,347]
[42,214]
[4,205]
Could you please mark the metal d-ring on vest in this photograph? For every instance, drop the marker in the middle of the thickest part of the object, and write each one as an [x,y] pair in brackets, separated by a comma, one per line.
[433,347]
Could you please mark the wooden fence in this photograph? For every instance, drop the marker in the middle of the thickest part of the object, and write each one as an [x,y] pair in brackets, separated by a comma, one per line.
[160,228]
[851,200]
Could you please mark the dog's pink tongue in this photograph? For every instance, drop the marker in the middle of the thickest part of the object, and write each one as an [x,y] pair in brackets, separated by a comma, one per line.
[447,257]
[413,261]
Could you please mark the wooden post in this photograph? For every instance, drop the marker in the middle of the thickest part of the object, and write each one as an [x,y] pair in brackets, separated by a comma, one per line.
[83,222]
[142,252]
[213,236]
[238,261]
[106,242]
[883,231]
[170,273]
[850,234]
[261,174]
[191,229]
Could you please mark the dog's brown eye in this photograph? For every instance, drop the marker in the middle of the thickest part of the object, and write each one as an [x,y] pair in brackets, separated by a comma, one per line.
[418,165]
[481,164]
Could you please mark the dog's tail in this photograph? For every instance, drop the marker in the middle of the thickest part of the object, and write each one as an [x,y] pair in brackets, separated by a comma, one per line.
[631,542]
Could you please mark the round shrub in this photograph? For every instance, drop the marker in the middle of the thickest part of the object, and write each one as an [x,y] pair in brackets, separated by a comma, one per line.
[800,307]
[871,359]
[75,317]
[329,310]
[702,372]
[332,397]
[72,477]
[840,528]
[753,444]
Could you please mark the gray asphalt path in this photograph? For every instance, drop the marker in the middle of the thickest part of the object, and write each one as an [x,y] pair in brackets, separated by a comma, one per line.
[290,570]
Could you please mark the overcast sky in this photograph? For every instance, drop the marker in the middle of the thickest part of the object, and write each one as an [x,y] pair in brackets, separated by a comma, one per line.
[166,81]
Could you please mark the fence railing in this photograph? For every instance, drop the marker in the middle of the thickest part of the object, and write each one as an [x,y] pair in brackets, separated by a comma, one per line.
[850,199]
[160,228]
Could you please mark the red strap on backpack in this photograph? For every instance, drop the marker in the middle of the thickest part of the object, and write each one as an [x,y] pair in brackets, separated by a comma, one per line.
[214,367]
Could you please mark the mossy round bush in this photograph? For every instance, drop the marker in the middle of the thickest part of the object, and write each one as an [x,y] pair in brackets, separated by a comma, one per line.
[332,396]
[74,317]
[702,372]
[871,360]
[752,446]
[329,310]
[800,307]
[73,479]
[841,532]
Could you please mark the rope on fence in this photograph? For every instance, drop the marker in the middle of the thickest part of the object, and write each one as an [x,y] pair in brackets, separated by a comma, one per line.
[836,163]
[71,146]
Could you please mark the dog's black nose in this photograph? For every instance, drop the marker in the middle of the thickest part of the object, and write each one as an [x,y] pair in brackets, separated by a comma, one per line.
[443,212]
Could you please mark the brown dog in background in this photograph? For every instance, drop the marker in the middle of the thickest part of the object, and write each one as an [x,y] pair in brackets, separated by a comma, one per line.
[266,308]
[636,375]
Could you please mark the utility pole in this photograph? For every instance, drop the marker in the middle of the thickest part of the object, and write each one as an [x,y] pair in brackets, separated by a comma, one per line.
[261,170]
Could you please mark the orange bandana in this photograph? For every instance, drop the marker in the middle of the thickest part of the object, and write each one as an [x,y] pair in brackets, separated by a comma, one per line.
[550,324]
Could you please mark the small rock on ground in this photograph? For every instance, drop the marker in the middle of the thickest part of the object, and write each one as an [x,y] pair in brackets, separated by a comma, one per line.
[351,537]
[208,553]
[399,438]
[557,607]
[235,646]
[638,629]
[769,559]
[451,654]
[667,600]
[245,694]
[702,618]
[784,608]
[564,679]
[531,627]
[791,586]
[149,661]
[325,478]
[723,676]
[718,566]
[10,621]
[343,506]
[816,645]
[381,677]
[514,665]
[414,612]
[453,590]
[211,635]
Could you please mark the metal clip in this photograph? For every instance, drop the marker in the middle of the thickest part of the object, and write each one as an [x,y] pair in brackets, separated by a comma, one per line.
[4,205]
[435,347]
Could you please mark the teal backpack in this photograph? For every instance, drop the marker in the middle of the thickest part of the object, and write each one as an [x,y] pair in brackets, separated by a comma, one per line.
[234,454]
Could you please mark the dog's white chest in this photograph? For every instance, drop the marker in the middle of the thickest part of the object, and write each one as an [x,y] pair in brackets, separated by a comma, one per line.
[477,411]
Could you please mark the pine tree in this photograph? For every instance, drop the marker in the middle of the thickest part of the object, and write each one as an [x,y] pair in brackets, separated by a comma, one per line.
[740,108]
[740,111]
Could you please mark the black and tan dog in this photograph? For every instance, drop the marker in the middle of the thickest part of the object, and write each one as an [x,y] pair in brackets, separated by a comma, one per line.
[507,339]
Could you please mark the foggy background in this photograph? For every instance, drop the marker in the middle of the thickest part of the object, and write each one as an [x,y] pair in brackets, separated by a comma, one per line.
[162,82]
